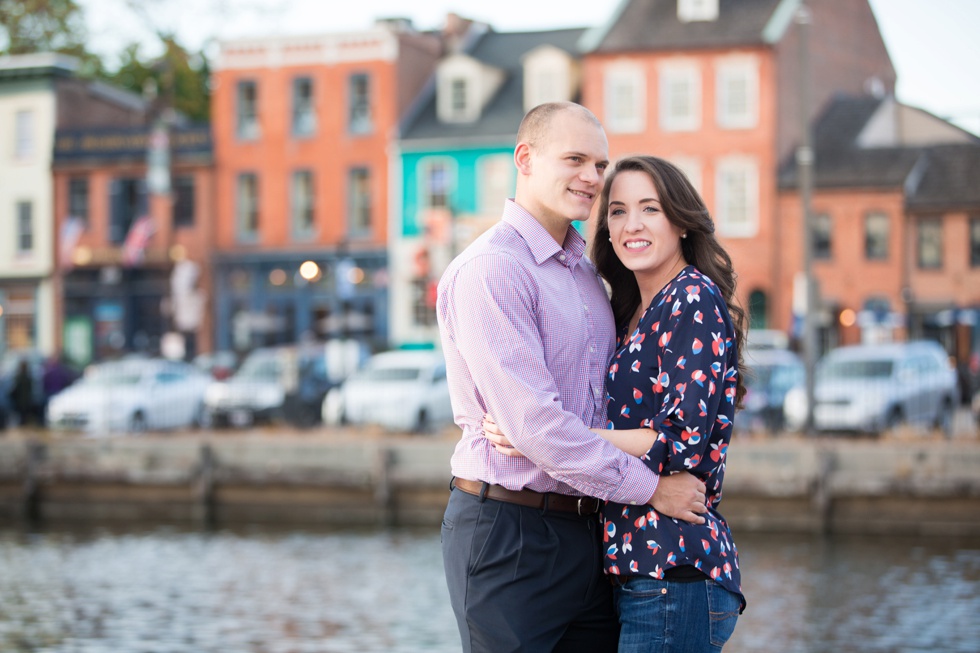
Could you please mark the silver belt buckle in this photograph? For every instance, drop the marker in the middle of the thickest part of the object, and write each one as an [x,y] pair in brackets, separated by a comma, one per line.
[578,508]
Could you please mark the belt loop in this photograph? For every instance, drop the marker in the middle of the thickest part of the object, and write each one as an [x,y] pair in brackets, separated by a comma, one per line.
[483,491]
[545,502]
[452,483]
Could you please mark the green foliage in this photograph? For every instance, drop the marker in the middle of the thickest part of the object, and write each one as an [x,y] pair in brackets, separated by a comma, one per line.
[177,78]
[28,26]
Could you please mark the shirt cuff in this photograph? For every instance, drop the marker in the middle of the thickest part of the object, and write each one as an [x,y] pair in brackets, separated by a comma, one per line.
[639,484]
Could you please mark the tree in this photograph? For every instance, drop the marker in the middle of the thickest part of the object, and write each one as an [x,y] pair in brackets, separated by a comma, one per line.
[176,79]
[28,26]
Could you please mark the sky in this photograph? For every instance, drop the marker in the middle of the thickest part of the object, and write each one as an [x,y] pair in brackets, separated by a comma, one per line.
[933,43]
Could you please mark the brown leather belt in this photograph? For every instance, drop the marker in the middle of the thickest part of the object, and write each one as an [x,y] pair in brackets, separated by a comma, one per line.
[582,506]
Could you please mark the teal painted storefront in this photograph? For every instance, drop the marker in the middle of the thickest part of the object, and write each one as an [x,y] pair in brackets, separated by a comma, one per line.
[465,187]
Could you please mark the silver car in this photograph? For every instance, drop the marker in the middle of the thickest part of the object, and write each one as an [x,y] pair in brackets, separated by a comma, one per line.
[874,388]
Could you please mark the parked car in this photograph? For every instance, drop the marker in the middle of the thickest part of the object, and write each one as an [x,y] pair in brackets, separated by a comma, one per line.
[769,376]
[132,395]
[398,390]
[219,364]
[874,388]
[286,383]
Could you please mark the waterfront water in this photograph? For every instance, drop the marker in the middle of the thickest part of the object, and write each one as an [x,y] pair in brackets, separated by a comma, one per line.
[258,590]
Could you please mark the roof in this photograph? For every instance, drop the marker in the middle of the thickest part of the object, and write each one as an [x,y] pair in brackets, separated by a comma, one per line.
[503,113]
[950,178]
[654,25]
[39,64]
[934,176]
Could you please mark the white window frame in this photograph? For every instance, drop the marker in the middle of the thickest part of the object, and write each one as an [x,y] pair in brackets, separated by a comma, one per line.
[625,99]
[424,171]
[737,196]
[692,168]
[247,217]
[680,83]
[302,201]
[496,182]
[24,239]
[247,110]
[731,72]
[24,135]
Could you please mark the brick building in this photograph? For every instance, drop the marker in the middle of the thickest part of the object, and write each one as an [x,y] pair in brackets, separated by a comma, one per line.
[39,94]
[712,85]
[133,252]
[302,129]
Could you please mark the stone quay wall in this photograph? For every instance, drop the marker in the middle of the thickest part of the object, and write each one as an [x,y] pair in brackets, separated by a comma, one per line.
[927,487]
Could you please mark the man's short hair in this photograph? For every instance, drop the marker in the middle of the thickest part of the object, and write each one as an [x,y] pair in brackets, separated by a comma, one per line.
[536,121]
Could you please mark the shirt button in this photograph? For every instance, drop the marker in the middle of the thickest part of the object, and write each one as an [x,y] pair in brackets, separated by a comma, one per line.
[561,257]
[592,348]
[586,307]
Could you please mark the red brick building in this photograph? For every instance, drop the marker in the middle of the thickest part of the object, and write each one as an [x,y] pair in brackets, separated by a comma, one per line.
[132,255]
[302,129]
[713,85]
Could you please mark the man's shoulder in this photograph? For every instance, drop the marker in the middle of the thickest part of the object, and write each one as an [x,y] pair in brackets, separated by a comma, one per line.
[500,245]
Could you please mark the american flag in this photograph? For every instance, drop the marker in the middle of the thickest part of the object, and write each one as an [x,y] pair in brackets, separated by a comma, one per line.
[136,240]
[71,231]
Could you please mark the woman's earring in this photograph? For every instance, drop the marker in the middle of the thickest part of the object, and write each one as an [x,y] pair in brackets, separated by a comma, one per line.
[610,239]
[684,235]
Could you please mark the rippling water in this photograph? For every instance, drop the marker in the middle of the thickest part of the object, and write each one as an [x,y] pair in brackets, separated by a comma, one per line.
[272,591]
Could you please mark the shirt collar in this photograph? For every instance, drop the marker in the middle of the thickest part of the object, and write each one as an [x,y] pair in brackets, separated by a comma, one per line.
[539,241]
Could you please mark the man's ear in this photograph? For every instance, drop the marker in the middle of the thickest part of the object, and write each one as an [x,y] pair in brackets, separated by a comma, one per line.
[522,158]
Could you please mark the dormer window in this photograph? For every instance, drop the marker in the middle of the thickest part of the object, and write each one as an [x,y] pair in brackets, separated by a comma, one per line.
[464,86]
[689,11]
[457,90]
[550,75]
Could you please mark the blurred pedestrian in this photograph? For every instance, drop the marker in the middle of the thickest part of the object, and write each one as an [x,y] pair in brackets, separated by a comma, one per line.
[22,395]
[55,377]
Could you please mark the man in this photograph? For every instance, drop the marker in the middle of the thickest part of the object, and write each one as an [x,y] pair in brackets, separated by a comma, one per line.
[528,333]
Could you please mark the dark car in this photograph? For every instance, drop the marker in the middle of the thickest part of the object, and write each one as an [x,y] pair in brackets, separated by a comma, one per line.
[770,374]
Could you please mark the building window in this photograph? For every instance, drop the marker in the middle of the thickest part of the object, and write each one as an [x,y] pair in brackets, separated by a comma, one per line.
[435,184]
[304,117]
[876,228]
[183,211]
[691,167]
[680,97]
[625,94]
[457,98]
[758,310]
[822,246]
[738,93]
[737,188]
[359,201]
[301,202]
[78,199]
[246,109]
[247,195]
[496,182]
[929,243]
[975,242]
[24,135]
[359,109]
[127,203]
[695,10]
[25,228]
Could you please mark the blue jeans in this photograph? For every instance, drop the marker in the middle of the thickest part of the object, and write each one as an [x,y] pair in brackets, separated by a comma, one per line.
[671,617]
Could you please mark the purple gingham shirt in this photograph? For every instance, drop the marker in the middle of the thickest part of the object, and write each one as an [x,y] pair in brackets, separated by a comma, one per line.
[528,333]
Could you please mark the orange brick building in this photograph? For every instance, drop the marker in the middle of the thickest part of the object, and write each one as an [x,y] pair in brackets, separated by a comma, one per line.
[302,129]
[713,86]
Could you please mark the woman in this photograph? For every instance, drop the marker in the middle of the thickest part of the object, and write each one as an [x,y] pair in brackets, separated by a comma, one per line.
[673,386]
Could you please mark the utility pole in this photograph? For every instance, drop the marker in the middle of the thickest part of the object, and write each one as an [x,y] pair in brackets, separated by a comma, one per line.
[804,167]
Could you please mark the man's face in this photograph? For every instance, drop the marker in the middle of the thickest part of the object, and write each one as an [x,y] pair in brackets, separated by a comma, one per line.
[566,169]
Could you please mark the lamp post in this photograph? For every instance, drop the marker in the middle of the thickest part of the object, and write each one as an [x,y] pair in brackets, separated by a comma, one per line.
[804,166]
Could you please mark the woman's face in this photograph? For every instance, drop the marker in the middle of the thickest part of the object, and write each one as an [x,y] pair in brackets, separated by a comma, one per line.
[642,236]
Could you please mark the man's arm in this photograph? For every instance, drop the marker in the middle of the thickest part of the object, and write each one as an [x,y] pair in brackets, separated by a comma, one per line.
[681,495]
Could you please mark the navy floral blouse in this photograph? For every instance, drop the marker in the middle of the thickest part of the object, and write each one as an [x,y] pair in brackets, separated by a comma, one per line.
[676,374]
